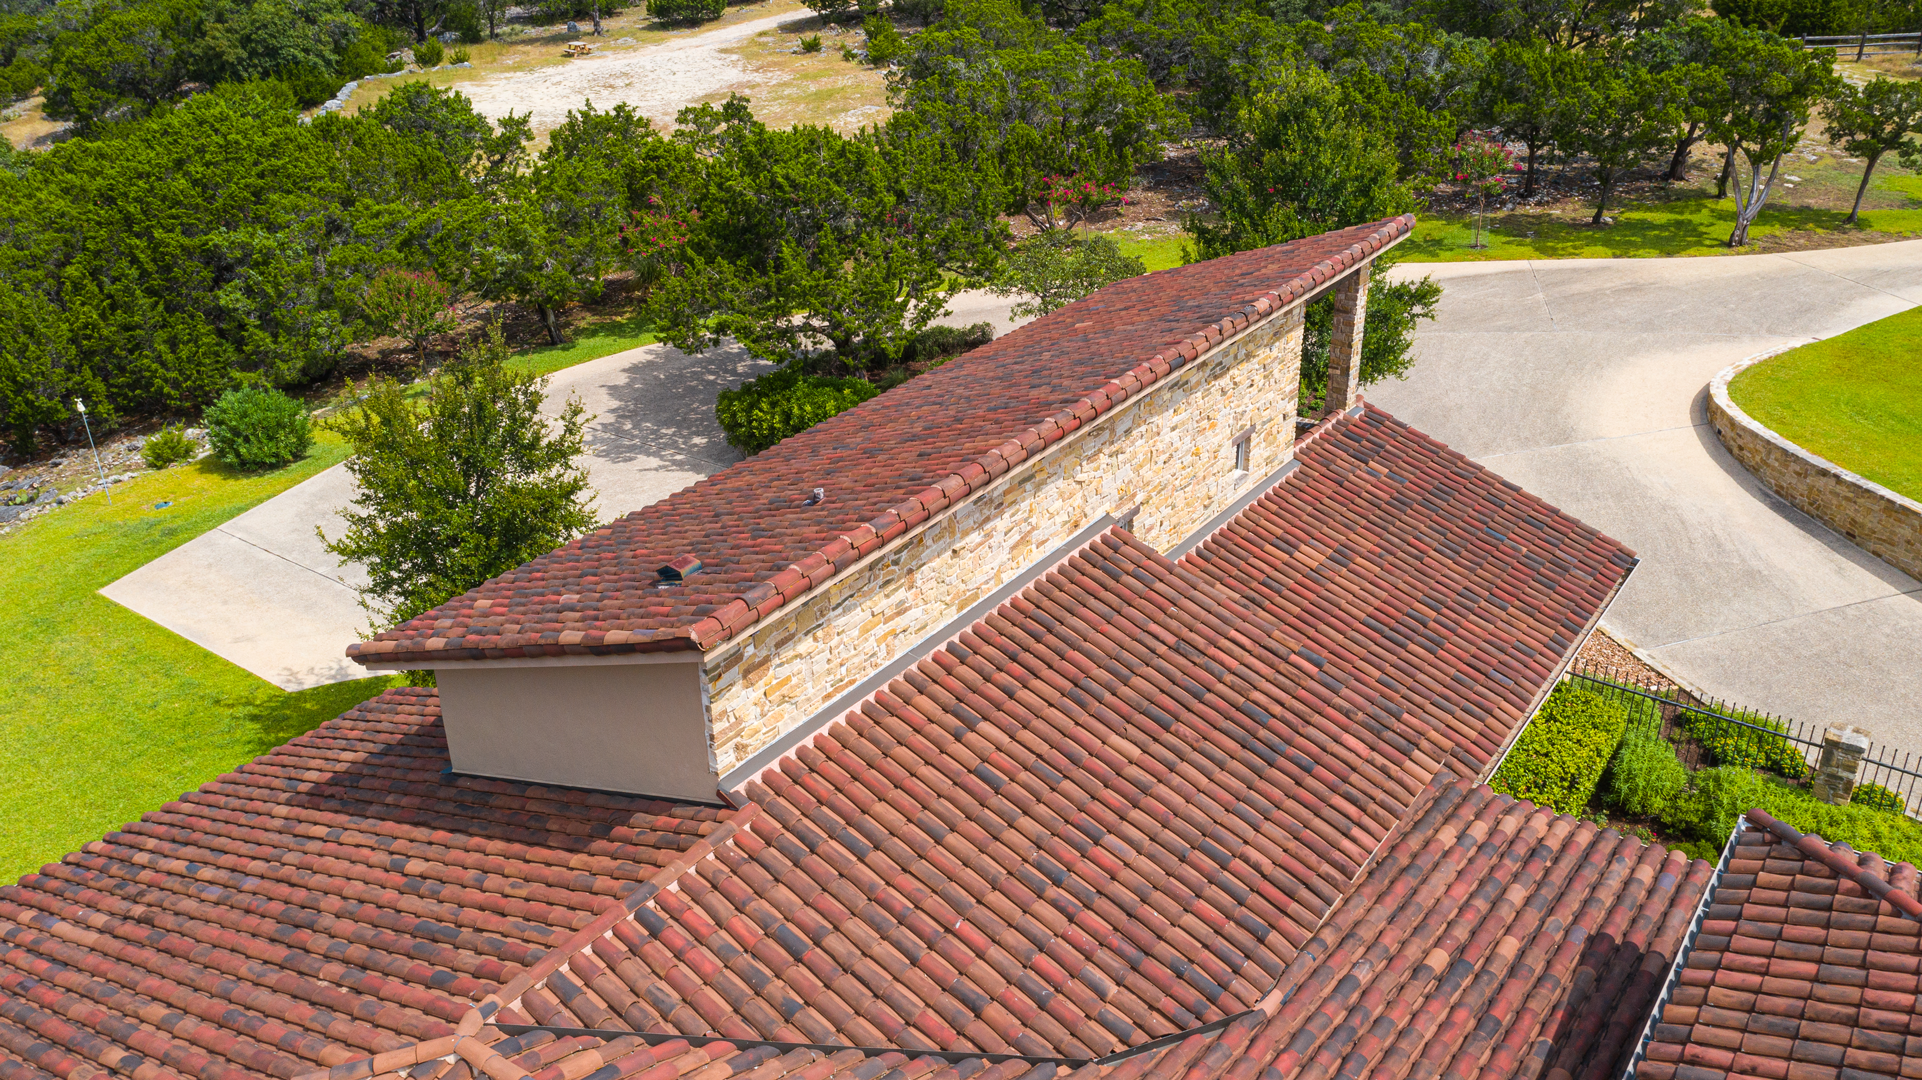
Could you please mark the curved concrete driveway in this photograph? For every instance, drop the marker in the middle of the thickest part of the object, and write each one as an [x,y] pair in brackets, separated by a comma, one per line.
[1584,382]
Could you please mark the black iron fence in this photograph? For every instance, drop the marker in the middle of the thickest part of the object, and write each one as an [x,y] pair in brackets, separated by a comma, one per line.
[1707,731]
[1861,46]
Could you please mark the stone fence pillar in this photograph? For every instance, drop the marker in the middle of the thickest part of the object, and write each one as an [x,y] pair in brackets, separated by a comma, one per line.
[1842,750]
[1344,341]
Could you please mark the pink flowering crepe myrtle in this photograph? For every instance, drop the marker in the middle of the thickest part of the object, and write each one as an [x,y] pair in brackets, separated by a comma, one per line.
[1065,201]
[1484,166]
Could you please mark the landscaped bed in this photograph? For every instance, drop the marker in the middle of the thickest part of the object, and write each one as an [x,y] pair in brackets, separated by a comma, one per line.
[1682,775]
[1855,399]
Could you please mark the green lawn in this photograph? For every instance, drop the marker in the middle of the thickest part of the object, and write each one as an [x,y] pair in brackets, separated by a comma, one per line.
[1855,399]
[103,714]
[1691,225]
[591,342]
[1685,219]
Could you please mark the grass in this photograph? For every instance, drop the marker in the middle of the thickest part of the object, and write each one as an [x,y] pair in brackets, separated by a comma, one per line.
[1696,225]
[103,714]
[1155,252]
[1855,399]
[590,342]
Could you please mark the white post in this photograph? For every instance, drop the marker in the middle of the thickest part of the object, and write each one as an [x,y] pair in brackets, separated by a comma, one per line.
[99,468]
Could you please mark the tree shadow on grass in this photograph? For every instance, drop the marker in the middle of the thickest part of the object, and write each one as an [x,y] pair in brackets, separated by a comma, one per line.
[274,717]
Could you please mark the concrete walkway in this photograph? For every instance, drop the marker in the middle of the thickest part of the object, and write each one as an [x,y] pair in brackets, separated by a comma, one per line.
[1584,381]
[262,591]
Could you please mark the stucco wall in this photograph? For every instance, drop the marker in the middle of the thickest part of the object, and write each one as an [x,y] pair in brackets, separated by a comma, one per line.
[633,727]
[1879,521]
[1169,452]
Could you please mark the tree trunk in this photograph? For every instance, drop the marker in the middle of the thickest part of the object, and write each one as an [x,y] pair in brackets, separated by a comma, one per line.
[1746,213]
[1861,189]
[1728,170]
[1601,205]
[1678,162]
[595,11]
[547,319]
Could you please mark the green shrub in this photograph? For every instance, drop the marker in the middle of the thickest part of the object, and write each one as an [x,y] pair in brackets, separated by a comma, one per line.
[460,56]
[1695,849]
[1720,795]
[811,43]
[310,85]
[429,53]
[1891,836]
[935,345]
[1645,774]
[1877,797]
[1560,756]
[768,409]
[686,12]
[168,446]
[258,428]
[1733,744]
[885,43]
[1716,797]
[464,19]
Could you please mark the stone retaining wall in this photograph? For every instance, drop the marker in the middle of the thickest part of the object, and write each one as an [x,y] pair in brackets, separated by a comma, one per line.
[1879,521]
[1169,451]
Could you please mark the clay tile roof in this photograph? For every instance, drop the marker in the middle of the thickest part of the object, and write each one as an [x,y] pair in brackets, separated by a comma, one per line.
[1094,820]
[1805,965]
[1490,938]
[1432,599]
[886,466]
[1493,939]
[1122,808]
[337,896]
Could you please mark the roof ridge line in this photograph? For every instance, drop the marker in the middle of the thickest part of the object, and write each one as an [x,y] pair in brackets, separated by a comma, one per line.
[821,565]
[484,1058]
[1812,846]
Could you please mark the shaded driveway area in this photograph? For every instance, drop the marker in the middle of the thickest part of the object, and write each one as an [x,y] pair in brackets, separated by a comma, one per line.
[1585,382]
[262,591]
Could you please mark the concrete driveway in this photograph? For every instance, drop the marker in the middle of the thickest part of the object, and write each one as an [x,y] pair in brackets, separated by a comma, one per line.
[1584,381]
[262,591]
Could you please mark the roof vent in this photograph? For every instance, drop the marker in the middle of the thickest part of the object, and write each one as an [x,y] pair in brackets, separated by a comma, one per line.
[680,569]
[820,495]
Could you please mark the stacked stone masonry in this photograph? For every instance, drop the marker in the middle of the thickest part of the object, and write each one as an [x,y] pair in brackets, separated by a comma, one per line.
[1879,521]
[1168,452]
[1344,342]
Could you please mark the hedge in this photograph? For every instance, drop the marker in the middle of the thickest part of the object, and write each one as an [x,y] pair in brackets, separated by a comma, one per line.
[768,409]
[1707,812]
[1731,744]
[1645,774]
[1559,759]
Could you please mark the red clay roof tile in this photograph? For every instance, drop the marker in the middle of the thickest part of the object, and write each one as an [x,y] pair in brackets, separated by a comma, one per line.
[1805,965]
[886,465]
[1124,804]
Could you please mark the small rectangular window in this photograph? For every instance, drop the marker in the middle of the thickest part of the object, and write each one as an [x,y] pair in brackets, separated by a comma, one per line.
[1243,444]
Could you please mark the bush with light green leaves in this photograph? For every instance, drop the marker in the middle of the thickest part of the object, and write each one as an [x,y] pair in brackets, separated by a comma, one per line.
[1559,758]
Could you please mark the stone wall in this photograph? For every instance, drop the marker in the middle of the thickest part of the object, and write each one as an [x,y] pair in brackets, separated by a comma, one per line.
[1169,451]
[1879,521]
